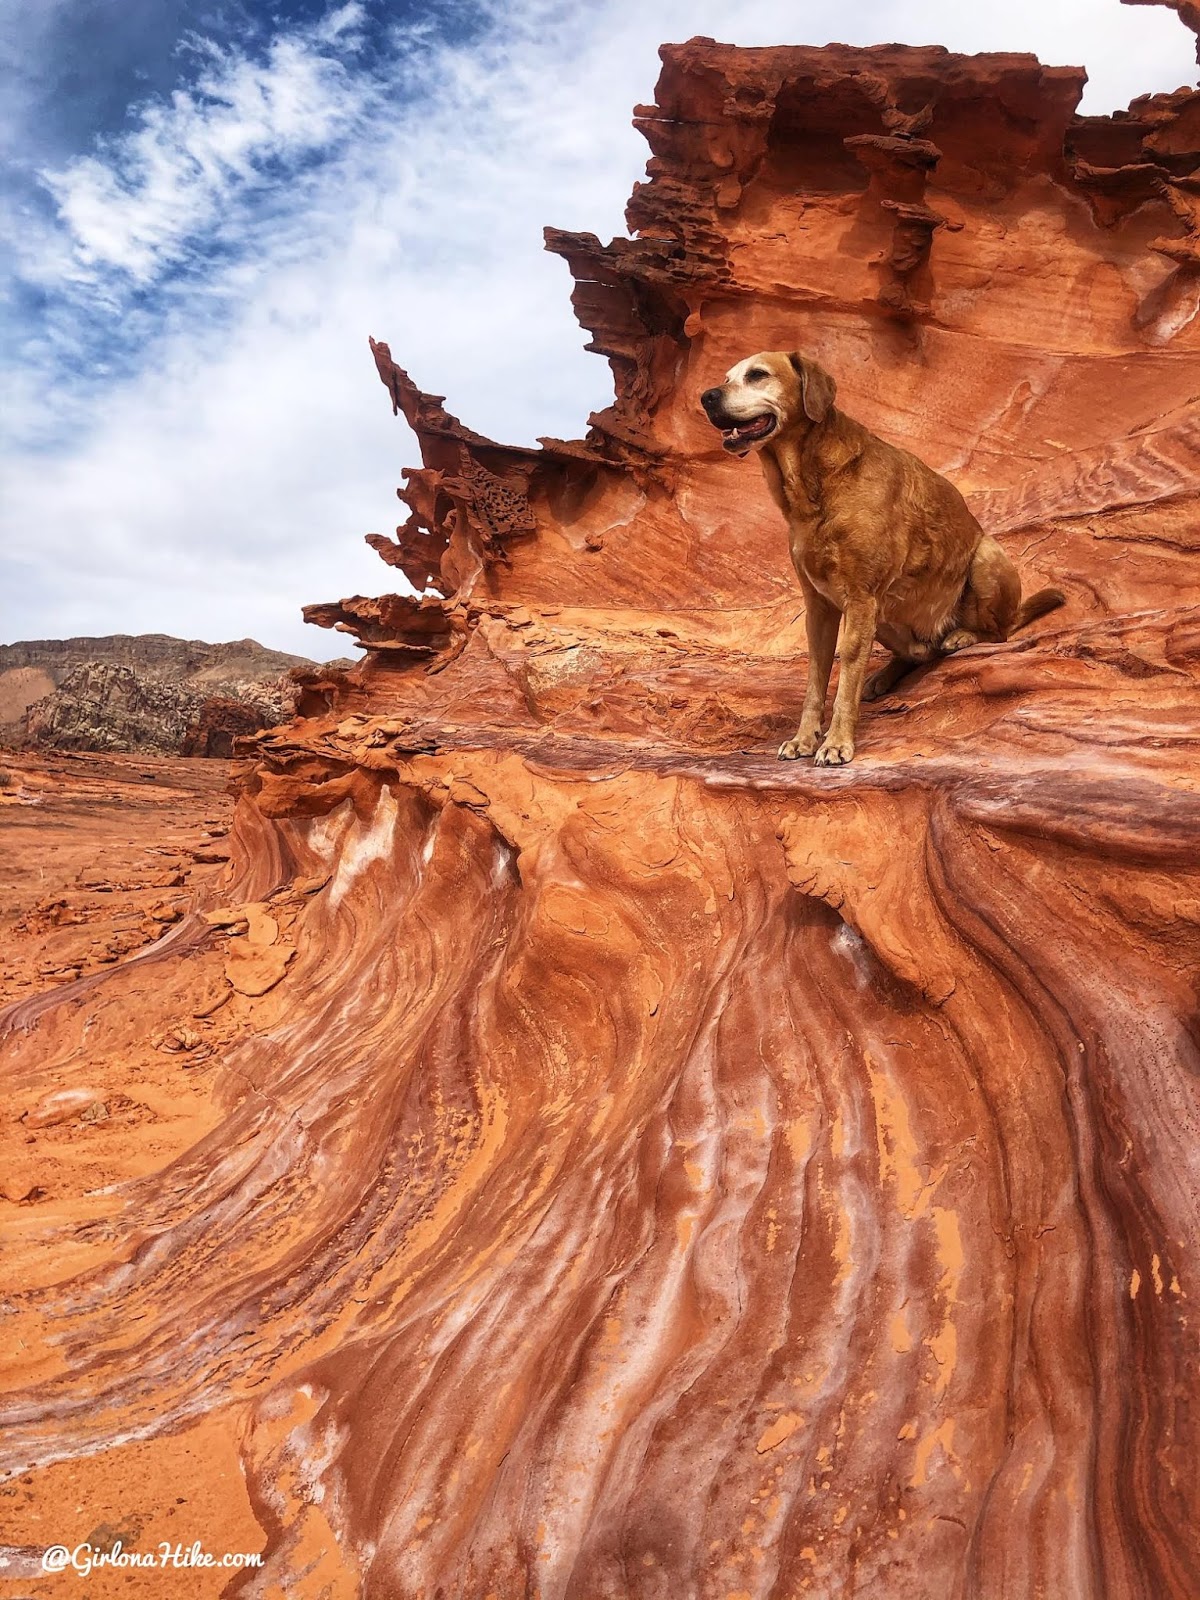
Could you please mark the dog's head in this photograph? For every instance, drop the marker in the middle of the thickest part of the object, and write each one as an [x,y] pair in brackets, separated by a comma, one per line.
[767,395]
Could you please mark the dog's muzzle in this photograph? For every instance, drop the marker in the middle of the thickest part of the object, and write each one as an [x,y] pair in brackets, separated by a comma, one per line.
[737,436]
[742,435]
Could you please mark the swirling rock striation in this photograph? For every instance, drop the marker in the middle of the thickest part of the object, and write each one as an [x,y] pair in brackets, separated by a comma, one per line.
[638,1168]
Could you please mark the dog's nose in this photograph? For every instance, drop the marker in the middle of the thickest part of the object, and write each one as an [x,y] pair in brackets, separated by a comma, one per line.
[709,398]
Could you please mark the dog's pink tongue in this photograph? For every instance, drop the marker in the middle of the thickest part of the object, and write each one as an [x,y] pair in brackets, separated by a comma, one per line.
[748,430]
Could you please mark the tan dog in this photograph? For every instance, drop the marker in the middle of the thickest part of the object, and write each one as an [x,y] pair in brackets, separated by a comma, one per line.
[882,543]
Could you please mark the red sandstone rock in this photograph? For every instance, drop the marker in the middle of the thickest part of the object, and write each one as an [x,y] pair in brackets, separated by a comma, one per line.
[661,1171]
[220,723]
[63,1105]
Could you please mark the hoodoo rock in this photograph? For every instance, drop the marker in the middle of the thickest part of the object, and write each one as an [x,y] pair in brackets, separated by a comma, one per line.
[640,1167]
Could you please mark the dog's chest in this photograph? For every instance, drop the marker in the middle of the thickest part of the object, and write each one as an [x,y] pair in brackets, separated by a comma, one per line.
[814,556]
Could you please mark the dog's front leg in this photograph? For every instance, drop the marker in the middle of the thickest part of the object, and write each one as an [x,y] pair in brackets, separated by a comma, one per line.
[821,624]
[858,635]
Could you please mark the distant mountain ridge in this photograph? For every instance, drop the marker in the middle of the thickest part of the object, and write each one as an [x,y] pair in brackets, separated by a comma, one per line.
[148,691]
[146,652]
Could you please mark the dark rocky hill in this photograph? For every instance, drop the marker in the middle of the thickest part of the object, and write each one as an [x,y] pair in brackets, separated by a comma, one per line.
[142,692]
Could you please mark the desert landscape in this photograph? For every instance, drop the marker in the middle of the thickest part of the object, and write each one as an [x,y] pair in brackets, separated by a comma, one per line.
[501,1132]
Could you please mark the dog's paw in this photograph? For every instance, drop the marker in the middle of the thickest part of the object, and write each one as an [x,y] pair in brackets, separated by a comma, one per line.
[835,753]
[960,639]
[793,749]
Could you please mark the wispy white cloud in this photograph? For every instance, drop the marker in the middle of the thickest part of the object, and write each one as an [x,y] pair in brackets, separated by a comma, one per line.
[137,202]
[254,227]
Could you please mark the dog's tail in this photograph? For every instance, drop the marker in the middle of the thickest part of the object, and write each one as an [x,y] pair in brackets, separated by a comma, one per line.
[1037,606]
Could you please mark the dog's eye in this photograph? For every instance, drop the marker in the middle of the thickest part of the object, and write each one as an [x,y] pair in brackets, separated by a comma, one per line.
[757,375]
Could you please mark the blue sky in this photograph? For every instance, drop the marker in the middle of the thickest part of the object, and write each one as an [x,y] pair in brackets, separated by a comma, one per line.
[214,204]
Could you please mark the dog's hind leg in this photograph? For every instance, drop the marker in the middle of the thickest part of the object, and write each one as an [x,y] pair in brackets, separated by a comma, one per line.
[908,653]
[991,597]
[888,676]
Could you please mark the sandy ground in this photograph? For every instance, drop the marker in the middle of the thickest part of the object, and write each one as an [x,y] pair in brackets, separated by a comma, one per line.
[100,857]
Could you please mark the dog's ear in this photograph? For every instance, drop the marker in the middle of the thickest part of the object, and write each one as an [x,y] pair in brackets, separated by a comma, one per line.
[817,388]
